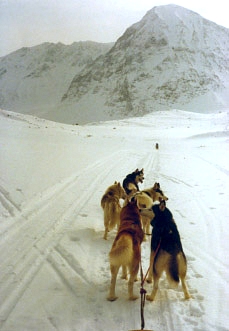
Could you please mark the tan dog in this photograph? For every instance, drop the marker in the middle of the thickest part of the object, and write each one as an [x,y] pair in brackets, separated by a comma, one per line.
[126,249]
[146,199]
[110,203]
[155,193]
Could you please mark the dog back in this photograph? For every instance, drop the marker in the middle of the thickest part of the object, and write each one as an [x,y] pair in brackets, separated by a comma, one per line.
[166,252]
[169,236]
[130,229]
[165,231]
[129,184]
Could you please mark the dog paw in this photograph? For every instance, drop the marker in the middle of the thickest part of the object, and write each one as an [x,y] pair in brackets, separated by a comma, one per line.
[133,297]
[149,298]
[124,277]
[112,298]
[188,296]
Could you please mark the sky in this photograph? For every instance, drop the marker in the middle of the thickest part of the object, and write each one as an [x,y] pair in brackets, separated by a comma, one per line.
[26,23]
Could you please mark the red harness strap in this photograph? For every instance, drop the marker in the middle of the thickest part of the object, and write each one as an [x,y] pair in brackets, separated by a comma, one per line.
[155,253]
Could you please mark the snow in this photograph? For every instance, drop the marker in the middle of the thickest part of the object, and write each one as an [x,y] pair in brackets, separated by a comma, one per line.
[54,261]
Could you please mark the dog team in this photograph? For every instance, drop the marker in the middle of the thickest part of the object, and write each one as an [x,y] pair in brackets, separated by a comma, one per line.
[132,220]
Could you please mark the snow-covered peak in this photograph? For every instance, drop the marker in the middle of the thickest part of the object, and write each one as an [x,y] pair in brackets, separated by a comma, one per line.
[174,25]
[171,58]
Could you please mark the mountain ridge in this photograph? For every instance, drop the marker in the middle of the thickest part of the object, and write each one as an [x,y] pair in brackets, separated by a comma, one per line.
[171,58]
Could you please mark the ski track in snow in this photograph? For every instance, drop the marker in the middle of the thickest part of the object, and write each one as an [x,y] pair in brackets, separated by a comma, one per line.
[8,202]
[55,228]
[30,253]
[48,247]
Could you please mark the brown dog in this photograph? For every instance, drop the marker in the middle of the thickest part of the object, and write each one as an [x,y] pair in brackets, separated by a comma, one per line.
[126,249]
[110,203]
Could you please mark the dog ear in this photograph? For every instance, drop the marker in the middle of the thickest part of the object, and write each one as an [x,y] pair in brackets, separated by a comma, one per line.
[134,202]
[115,182]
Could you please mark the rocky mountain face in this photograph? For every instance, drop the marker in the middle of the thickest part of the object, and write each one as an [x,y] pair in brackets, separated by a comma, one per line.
[33,80]
[172,58]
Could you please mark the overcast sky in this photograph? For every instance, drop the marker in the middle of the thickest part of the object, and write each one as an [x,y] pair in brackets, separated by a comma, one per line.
[32,22]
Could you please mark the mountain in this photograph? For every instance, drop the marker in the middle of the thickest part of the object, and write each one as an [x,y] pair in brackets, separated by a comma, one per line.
[172,58]
[33,80]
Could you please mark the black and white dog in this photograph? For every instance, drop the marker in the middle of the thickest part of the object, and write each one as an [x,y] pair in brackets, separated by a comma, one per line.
[130,183]
[166,249]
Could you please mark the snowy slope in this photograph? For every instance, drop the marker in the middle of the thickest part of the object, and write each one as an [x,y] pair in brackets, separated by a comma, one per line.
[54,261]
[33,79]
[172,58]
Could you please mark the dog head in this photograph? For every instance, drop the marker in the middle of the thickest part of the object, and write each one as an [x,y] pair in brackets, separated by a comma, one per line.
[156,186]
[159,193]
[162,204]
[139,175]
[122,193]
[148,212]
[158,197]
[117,190]
[130,210]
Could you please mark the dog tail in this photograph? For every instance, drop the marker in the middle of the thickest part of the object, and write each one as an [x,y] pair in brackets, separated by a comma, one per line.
[114,214]
[103,201]
[122,251]
[173,272]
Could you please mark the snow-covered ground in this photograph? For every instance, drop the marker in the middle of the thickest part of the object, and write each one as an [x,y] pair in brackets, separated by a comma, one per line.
[54,261]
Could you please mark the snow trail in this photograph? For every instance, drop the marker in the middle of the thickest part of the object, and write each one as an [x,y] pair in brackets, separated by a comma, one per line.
[54,261]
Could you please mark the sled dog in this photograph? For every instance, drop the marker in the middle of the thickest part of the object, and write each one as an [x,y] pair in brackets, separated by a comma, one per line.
[110,203]
[126,249]
[146,199]
[155,192]
[166,250]
[130,183]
